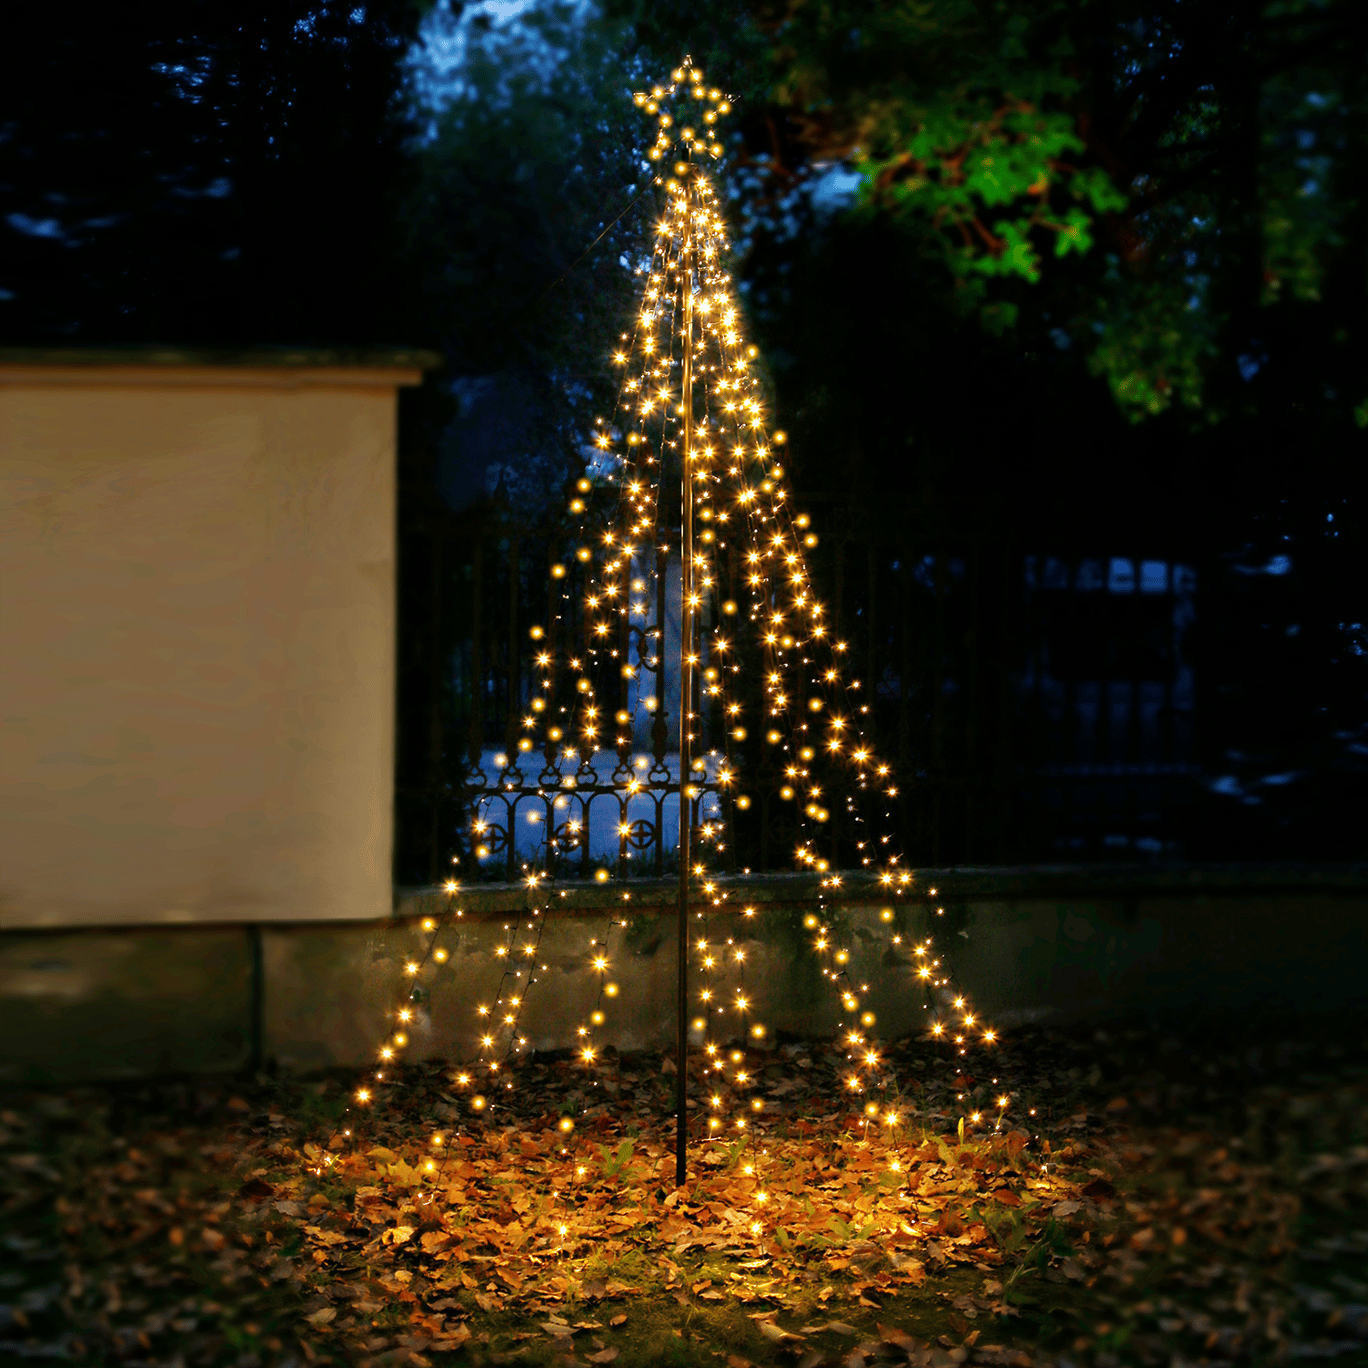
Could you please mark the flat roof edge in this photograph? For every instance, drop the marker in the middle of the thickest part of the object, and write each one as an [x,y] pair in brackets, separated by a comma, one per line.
[285,358]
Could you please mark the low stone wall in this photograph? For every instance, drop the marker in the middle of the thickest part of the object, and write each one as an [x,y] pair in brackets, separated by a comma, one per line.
[1029,944]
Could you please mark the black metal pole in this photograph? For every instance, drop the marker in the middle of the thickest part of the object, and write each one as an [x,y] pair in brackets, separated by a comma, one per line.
[685,715]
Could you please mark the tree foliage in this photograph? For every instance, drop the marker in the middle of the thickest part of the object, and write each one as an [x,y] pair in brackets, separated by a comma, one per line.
[525,223]
[1208,157]
[205,173]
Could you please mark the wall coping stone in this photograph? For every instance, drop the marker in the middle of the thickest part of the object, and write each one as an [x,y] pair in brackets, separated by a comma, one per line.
[1009,884]
[961,884]
[367,358]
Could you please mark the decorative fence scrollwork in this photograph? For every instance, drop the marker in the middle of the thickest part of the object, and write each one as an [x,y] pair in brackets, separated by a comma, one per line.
[572,808]
[979,676]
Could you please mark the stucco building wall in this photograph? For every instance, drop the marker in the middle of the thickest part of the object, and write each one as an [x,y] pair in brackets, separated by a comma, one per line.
[197,620]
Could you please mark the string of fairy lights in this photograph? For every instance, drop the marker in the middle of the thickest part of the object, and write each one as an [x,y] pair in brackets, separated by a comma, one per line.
[752,587]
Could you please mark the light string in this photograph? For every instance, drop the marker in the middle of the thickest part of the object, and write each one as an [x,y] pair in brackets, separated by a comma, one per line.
[803,702]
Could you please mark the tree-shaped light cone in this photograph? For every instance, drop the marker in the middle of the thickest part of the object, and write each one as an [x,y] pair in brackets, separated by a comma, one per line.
[765,659]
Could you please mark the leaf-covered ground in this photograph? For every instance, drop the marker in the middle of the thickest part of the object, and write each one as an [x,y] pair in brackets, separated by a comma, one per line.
[1172,1201]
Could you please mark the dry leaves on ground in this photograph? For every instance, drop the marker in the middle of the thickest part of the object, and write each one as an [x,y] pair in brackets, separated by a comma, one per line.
[1136,1217]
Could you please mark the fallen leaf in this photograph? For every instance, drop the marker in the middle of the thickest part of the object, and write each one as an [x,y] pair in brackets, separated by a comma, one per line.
[324,1316]
[618,1320]
[323,1237]
[452,1338]
[777,1333]
[890,1334]
[603,1356]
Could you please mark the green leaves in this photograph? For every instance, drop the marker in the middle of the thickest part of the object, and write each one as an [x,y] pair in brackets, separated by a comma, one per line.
[1143,189]
[1152,345]
[948,160]
[612,1162]
[1074,234]
[998,317]
[1096,186]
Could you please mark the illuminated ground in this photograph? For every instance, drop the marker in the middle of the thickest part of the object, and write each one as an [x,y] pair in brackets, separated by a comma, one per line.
[1173,1201]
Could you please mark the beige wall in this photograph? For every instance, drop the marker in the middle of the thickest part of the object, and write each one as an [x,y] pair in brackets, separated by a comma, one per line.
[196,642]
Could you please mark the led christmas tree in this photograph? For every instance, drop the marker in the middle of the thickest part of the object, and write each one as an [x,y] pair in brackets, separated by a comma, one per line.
[763,677]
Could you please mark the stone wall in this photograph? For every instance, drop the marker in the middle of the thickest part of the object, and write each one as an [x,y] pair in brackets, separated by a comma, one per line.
[1062,944]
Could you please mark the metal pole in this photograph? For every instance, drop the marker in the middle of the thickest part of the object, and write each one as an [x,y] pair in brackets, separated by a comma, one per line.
[685,710]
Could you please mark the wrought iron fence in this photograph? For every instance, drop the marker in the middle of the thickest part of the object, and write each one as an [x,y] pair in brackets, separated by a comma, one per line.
[1035,708]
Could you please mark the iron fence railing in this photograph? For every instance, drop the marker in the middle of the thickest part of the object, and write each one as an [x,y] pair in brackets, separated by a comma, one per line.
[1035,708]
